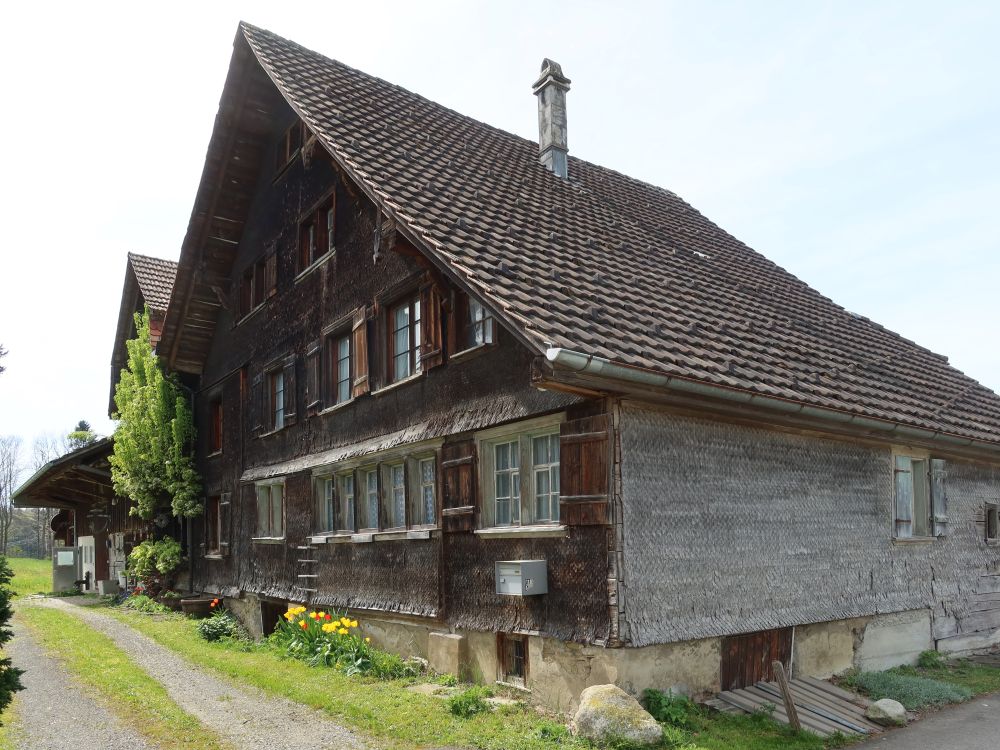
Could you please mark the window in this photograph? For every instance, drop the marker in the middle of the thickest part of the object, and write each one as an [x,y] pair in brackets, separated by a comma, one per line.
[289,144]
[258,282]
[396,515]
[339,370]
[404,339]
[521,478]
[507,483]
[369,508]
[215,436]
[325,517]
[512,659]
[317,232]
[921,500]
[545,465]
[992,522]
[346,509]
[479,328]
[270,511]
[213,530]
[424,510]
[276,399]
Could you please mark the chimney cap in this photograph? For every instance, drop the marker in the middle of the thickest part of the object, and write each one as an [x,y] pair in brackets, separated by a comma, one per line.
[551,73]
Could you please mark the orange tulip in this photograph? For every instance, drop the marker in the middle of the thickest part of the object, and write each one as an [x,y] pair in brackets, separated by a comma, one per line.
[304,624]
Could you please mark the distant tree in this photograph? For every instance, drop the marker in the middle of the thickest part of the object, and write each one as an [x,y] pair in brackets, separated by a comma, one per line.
[3,353]
[81,436]
[10,470]
[151,461]
[10,676]
[44,448]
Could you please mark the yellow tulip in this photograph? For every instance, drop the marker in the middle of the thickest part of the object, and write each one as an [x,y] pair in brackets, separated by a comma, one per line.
[342,631]
[367,639]
[344,621]
[354,623]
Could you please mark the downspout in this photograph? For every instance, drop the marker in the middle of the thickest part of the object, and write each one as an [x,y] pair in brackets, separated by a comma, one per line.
[604,368]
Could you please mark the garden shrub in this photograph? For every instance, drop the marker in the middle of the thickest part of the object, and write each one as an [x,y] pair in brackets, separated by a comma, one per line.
[325,639]
[155,562]
[10,676]
[912,691]
[470,702]
[669,708]
[142,603]
[930,660]
[221,625]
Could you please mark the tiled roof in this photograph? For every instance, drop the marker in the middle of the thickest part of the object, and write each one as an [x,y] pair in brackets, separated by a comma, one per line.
[611,266]
[156,279]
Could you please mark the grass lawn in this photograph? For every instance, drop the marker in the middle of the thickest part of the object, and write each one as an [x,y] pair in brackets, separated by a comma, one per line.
[964,673]
[136,697]
[8,734]
[755,732]
[30,576]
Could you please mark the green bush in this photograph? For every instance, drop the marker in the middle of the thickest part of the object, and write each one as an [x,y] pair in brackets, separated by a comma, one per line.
[912,691]
[448,680]
[553,732]
[142,603]
[930,660]
[10,676]
[155,562]
[668,708]
[470,702]
[221,625]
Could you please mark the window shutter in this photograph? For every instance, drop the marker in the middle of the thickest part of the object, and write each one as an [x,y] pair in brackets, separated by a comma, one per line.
[359,362]
[258,403]
[313,397]
[271,274]
[939,498]
[225,522]
[904,497]
[291,399]
[431,351]
[458,317]
[584,476]
[458,486]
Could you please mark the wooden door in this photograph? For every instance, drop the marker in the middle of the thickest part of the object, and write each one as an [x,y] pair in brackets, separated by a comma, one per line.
[746,659]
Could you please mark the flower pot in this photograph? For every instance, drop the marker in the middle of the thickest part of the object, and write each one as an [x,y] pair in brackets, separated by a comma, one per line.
[199,606]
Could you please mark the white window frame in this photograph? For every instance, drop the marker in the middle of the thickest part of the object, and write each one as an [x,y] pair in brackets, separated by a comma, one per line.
[523,433]
[480,324]
[270,486]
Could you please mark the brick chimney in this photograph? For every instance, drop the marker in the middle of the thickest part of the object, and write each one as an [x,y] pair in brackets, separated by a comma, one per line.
[551,88]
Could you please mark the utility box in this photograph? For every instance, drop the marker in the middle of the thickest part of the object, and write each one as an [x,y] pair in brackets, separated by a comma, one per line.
[65,568]
[522,577]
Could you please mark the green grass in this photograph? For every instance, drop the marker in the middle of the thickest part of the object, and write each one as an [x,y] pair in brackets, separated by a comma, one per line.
[9,734]
[908,686]
[30,576]
[755,732]
[136,697]
[963,673]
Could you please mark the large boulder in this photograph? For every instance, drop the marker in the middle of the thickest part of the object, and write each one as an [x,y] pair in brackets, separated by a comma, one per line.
[607,713]
[887,712]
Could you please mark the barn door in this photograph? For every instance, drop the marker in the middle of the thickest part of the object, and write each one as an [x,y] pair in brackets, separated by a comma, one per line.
[746,659]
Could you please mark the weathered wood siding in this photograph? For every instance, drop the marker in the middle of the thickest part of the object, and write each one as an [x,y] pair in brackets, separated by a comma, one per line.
[733,529]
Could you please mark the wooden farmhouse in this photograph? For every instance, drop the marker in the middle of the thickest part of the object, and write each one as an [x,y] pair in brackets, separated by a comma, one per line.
[543,423]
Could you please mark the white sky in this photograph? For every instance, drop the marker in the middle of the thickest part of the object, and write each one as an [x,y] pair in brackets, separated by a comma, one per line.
[854,143]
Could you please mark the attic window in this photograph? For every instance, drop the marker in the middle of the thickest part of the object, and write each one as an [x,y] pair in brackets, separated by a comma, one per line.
[317,233]
[258,282]
[289,144]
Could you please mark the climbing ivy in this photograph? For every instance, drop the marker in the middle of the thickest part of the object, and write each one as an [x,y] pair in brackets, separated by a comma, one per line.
[151,460]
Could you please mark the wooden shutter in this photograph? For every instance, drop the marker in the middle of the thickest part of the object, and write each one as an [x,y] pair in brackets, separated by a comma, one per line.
[431,350]
[313,397]
[290,394]
[939,498]
[904,496]
[225,522]
[458,486]
[258,405]
[271,274]
[584,476]
[359,354]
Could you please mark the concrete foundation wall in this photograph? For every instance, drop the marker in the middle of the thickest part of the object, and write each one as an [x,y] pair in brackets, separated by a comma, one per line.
[890,640]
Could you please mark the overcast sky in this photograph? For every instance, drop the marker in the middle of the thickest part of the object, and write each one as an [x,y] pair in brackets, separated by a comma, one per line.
[854,143]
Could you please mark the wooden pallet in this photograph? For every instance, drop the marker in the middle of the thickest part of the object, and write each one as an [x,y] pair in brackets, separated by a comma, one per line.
[823,709]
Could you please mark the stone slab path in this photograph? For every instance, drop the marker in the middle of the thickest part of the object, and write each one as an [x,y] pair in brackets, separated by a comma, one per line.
[55,711]
[243,715]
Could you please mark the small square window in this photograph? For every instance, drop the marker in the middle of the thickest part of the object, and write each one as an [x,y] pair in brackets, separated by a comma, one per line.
[512,659]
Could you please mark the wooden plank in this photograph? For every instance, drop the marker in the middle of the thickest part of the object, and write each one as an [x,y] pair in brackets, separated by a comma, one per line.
[835,691]
[825,700]
[838,716]
[762,698]
[786,695]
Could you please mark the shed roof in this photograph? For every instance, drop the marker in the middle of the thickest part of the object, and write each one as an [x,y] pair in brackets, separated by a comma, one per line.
[602,263]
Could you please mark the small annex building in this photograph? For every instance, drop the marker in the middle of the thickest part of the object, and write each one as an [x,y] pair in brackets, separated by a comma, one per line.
[546,424]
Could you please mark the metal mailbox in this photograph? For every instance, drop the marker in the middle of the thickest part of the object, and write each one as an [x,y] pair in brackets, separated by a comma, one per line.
[522,577]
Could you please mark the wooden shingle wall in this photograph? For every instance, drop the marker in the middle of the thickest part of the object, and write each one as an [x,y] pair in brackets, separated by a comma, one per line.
[734,529]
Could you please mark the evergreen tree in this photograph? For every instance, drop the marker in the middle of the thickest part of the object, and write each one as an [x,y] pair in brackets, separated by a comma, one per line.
[81,436]
[10,676]
[151,460]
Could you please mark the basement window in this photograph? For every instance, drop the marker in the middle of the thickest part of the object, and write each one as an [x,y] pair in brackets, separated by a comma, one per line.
[512,659]
[992,522]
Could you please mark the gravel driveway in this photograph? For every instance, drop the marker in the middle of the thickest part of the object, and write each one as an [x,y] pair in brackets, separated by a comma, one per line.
[55,711]
[243,715]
